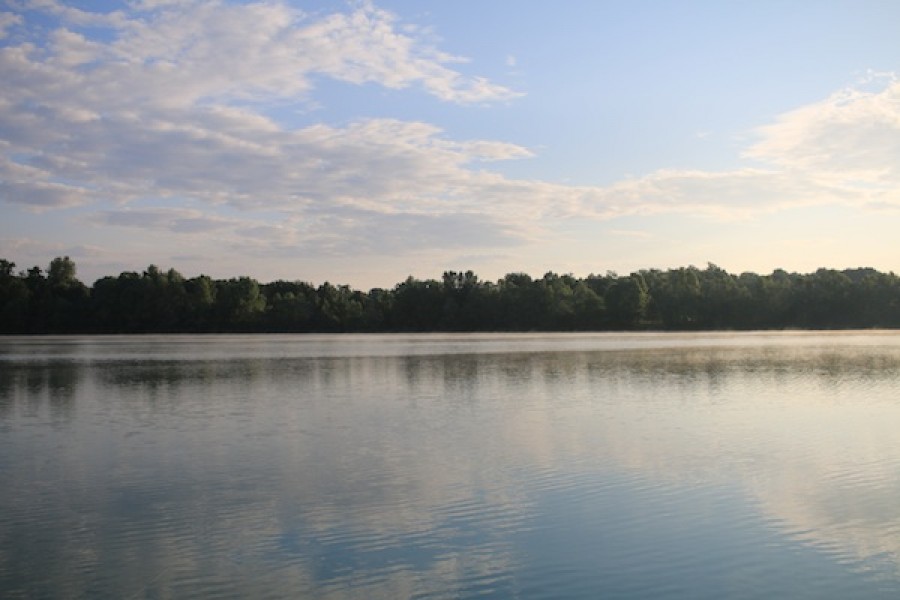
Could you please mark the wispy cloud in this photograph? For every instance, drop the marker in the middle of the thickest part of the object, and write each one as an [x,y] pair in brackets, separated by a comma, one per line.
[174,103]
[182,54]
[631,233]
[847,144]
[7,20]
[176,220]
[15,246]
[156,111]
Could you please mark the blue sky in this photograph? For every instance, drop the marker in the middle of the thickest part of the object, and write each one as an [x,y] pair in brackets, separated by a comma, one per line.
[361,142]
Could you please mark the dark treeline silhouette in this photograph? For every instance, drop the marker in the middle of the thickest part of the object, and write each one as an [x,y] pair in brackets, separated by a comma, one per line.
[156,301]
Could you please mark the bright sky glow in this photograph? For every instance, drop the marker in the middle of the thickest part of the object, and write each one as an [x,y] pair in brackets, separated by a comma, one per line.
[362,142]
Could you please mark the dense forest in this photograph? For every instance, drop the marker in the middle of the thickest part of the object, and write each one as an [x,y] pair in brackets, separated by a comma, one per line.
[156,301]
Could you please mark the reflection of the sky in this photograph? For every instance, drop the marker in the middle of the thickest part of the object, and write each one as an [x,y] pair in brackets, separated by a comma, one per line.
[746,465]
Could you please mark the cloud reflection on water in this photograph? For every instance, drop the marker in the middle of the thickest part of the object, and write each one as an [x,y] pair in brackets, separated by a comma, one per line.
[381,476]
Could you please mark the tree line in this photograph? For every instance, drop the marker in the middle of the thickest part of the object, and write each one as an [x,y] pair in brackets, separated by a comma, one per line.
[36,301]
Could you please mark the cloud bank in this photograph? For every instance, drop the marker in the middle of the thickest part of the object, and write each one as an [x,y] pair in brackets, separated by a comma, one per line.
[170,116]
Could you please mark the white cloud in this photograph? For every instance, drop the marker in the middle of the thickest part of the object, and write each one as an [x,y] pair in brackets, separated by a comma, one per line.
[177,220]
[850,130]
[329,233]
[18,246]
[156,111]
[74,15]
[184,53]
[848,144]
[631,233]
[71,49]
[844,150]
[172,105]
[35,188]
[7,20]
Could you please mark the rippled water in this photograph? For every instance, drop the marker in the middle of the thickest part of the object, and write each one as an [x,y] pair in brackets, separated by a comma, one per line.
[451,466]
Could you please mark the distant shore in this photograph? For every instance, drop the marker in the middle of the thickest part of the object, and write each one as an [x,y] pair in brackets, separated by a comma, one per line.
[683,299]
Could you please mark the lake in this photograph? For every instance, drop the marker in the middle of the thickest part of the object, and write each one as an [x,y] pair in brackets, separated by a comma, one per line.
[749,465]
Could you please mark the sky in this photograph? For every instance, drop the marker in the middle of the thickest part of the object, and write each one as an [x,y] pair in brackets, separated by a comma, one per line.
[363,142]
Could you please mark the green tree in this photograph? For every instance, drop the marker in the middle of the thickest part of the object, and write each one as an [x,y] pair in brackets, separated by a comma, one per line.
[200,304]
[339,307]
[589,308]
[378,309]
[824,300]
[721,299]
[58,302]
[14,300]
[418,305]
[676,296]
[239,304]
[61,273]
[626,301]
[291,306]
[522,302]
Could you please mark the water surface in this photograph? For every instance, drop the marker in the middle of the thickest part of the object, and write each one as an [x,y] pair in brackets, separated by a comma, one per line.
[751,465]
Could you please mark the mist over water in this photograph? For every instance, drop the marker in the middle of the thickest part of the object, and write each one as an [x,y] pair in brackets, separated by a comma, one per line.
[445,466]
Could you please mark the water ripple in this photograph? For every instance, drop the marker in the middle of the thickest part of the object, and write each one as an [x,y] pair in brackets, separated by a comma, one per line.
[538,467]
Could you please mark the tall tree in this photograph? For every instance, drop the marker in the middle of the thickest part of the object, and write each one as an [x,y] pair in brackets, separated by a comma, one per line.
[14,300]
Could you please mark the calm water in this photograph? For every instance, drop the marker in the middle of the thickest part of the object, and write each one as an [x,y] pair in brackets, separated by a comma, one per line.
[451,466]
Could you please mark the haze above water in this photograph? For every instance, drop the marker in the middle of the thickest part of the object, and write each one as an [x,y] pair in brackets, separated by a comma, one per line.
[533,466]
